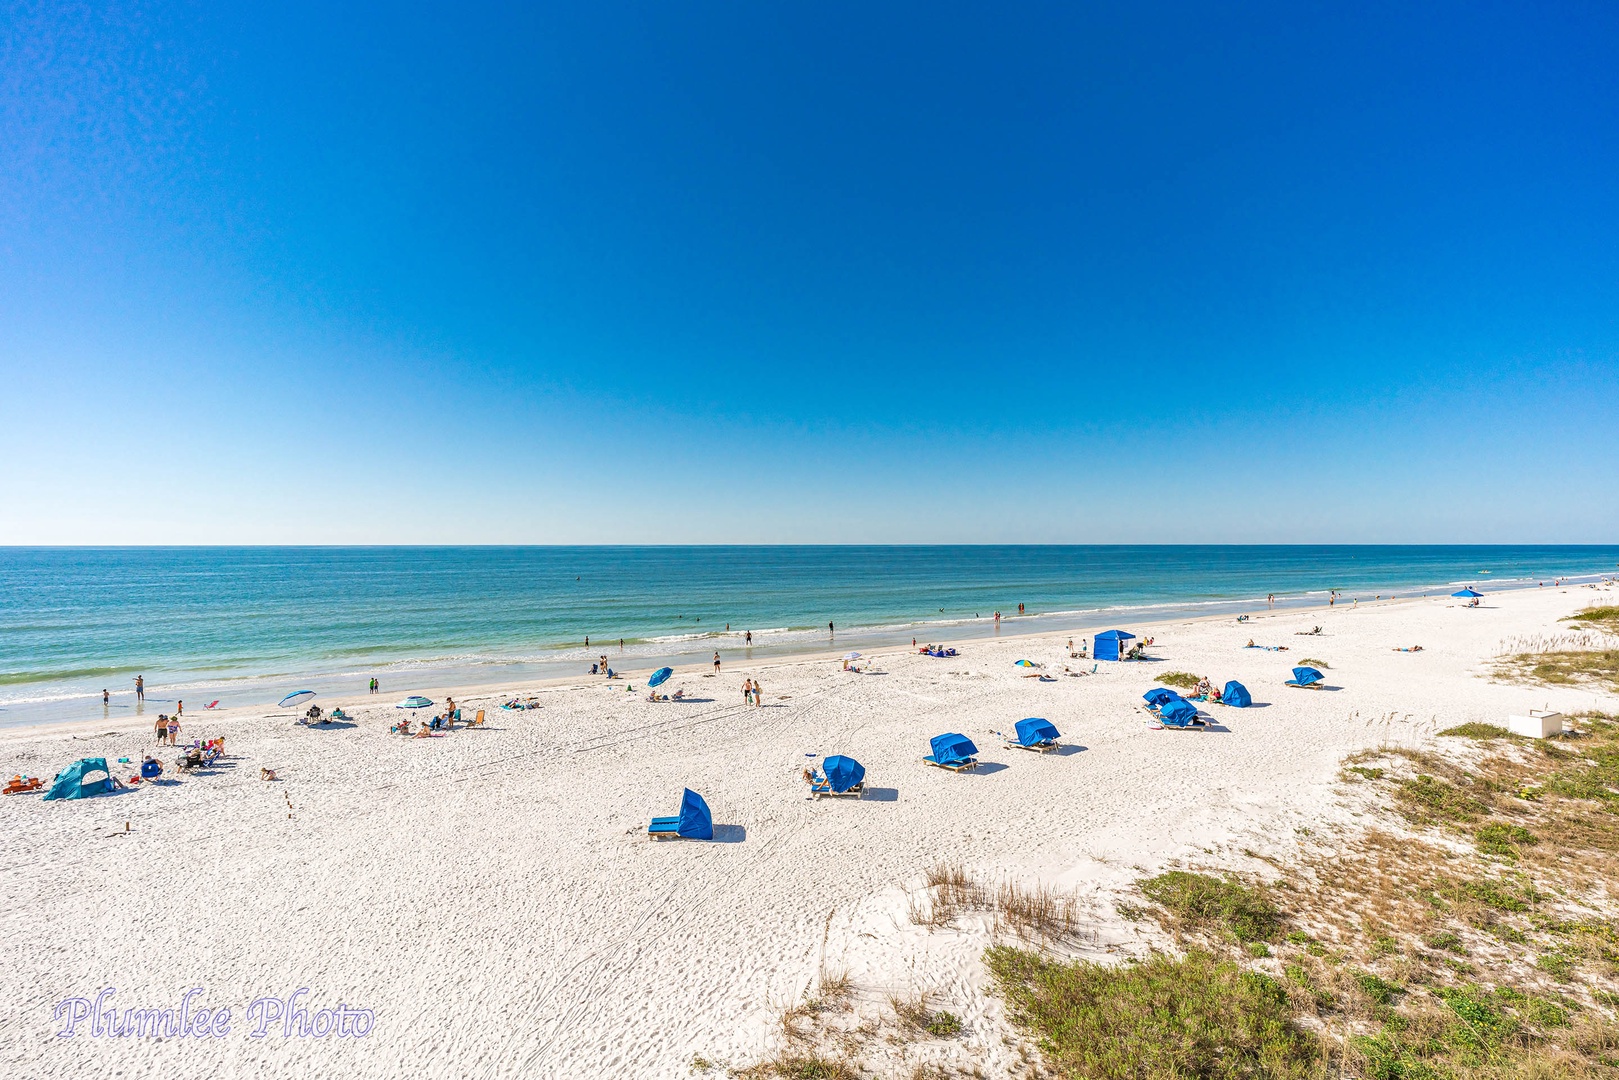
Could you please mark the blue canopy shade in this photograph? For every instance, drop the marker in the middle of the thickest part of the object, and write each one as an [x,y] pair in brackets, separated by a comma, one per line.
[1304,676]
[415,701]
[1236,694]
[1034,731]
[75,781]
[1158,695]
[1468,593]
[1107,645]
[842,773]
[952,747]
[660,677]
[696,823]
[297,697]
[1179,712]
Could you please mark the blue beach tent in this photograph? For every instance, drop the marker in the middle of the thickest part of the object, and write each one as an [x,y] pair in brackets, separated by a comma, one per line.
[696,823]
[952,747]
[1236,695]
[1110,645]
[1305,676]
[842,773]
[1158,695]
[1035,731]
[1178,713]
[74,782]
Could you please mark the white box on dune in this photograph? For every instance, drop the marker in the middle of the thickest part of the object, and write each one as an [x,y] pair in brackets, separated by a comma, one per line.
[1537,725]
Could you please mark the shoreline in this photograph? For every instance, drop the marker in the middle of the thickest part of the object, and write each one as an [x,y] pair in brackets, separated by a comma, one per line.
[483,692]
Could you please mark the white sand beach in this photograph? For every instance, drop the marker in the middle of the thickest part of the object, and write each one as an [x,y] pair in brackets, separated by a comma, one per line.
[492,898]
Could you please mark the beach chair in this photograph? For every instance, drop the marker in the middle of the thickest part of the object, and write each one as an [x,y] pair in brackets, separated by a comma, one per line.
[1305,678]
[952,751]
[841,776]
[1180,715]
[694,822]
[477,719]
[1034,734]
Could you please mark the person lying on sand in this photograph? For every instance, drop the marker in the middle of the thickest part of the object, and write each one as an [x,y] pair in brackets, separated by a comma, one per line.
[266,774]
[1414,648]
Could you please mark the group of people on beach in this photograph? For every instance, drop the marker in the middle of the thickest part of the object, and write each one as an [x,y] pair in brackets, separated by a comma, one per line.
[167,727]
[752,692]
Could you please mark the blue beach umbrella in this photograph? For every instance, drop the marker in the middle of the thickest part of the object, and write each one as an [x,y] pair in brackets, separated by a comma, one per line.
[1467,594]
[415,701]
[297,697]
[660,677]
[842,773]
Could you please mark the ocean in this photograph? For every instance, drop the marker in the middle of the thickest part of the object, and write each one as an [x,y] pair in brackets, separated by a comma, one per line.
[246,625]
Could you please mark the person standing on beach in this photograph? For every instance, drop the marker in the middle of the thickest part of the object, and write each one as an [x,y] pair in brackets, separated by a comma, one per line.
[140,688]
[747,691]
[758,693]
[162,728]
[174,731]
[1270,600]
[105,699]
[747,637]
[716,662]
[179,707]
[829,629]
[587,641]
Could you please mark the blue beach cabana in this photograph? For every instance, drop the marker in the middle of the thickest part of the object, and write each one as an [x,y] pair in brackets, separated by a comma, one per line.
[77,782]
[1156,697]
[1236,695]
[1305,677]
[952,751]
[1110,645]
[840,775]
[694,822]
[1179,713]
[1035,734]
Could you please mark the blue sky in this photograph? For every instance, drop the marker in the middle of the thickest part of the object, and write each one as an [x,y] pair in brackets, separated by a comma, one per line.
[802,273]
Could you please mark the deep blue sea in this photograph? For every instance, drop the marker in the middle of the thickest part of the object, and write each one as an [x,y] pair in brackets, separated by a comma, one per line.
[247,625]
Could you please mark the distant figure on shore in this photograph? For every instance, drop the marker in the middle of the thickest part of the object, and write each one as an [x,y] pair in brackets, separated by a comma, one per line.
[1270,600]
[716,662]
[179,707]
[829,629]
[373,685]
[105,699]
[1020,609]
[747,637]
[587,641]
[140,688]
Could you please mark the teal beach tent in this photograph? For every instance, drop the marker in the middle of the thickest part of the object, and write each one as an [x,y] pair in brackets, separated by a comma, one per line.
[1110,645]
[75,781]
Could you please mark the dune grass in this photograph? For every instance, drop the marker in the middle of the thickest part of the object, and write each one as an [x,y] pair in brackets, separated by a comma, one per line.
[1241,912]
[1562,667]
[1601,617]
[1196,1016]
[1480,731]
[1182,680]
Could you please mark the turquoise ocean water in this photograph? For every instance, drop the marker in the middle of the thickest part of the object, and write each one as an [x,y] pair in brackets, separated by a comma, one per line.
[247,625]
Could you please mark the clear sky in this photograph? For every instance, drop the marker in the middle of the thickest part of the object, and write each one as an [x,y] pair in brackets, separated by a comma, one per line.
[671,272]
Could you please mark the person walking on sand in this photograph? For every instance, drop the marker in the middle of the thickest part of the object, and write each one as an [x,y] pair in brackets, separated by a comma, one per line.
[174,731]
[758,693]
[162,728]
[716,662]
[179,707]
[747,691]
[140,688]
